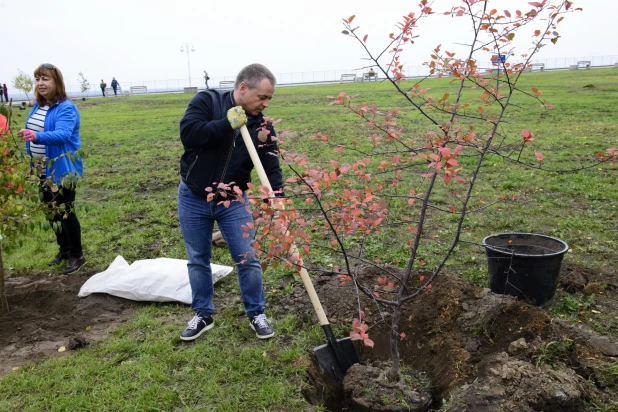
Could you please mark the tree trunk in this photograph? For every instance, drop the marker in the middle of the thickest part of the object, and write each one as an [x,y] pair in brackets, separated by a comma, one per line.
[393,374]
[5,303]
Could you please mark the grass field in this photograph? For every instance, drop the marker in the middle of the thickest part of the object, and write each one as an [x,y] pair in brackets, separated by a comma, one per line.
[127,204]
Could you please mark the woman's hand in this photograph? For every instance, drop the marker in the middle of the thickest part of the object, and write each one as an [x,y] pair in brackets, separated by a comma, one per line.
[27,135]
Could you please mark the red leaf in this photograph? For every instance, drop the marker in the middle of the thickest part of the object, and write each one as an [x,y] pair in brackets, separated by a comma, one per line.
[351,18]
[365,37]
[402,336]
[527,135]
[355,336]
[369,343]
[539,156]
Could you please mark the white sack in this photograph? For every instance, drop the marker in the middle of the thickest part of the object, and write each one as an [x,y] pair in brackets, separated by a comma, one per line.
[150,280]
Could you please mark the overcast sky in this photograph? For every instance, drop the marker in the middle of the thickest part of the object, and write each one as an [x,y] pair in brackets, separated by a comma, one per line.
[141,40]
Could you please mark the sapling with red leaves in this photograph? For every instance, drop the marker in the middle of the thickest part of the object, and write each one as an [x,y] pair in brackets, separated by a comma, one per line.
[407,175]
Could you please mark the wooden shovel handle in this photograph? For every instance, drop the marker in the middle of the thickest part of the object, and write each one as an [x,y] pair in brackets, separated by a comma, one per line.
[303,272]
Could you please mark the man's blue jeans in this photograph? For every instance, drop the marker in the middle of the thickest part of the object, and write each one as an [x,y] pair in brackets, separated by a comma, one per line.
[197,218]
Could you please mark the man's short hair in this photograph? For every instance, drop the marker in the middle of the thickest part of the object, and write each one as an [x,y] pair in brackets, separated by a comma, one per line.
[253,74]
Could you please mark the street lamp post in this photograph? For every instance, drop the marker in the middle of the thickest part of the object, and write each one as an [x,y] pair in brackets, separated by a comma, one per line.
[187,47]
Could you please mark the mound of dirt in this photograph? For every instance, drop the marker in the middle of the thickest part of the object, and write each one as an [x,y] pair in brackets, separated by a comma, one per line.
[46,315]
[479,350]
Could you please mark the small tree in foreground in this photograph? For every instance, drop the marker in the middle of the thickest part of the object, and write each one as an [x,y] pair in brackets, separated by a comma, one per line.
[19,194]
[409,177]
[23,82]
[15,186]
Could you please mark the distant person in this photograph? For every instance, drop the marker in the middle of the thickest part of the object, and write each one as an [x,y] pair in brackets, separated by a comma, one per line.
[115,85]
[6,92]
[214,151]
[2,96]
[52,131]
[206,78]
[103,86]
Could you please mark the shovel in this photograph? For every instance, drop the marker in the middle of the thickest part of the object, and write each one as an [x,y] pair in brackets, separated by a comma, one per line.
[337,355]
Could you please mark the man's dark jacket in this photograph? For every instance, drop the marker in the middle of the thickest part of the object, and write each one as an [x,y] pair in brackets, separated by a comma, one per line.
[215,153]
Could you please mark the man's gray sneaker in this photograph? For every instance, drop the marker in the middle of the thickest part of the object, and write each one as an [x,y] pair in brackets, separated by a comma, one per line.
[261,326]
[198,325]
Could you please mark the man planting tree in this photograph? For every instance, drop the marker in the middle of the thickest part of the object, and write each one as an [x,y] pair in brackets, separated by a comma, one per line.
[215,170]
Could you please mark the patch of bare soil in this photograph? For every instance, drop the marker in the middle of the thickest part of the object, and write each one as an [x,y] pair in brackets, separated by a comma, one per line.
[478,351]
[46,315]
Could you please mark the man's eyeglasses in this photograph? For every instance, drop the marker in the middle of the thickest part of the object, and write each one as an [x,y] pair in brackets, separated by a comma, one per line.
[48,66]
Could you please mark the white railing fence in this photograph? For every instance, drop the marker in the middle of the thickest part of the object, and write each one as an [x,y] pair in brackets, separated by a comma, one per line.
[299,78]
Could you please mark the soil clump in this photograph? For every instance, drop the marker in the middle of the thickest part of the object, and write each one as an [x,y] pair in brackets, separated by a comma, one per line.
[476,350]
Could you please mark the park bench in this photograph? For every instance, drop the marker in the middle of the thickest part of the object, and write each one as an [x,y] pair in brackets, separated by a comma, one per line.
[139,90]
[369,76]
[348,78]
[584,64]
[226,83]
[533,66]
[109,91]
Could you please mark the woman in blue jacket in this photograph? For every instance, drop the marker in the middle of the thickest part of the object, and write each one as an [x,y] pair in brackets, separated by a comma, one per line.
[52,140]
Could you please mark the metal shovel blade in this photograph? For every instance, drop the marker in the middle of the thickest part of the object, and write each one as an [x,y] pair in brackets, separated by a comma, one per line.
[335,358]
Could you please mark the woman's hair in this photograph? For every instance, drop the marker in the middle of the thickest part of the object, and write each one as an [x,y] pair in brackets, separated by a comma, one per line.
[253,75]
[60,93]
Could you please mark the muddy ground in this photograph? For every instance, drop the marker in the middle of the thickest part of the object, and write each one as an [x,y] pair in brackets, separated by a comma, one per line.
[46,315]
[465,348]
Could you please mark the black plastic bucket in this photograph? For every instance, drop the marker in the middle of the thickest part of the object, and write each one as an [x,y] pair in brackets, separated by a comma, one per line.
[525,265]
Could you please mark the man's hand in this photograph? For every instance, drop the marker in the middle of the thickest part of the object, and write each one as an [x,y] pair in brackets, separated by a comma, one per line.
[27,135]
[237,117]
